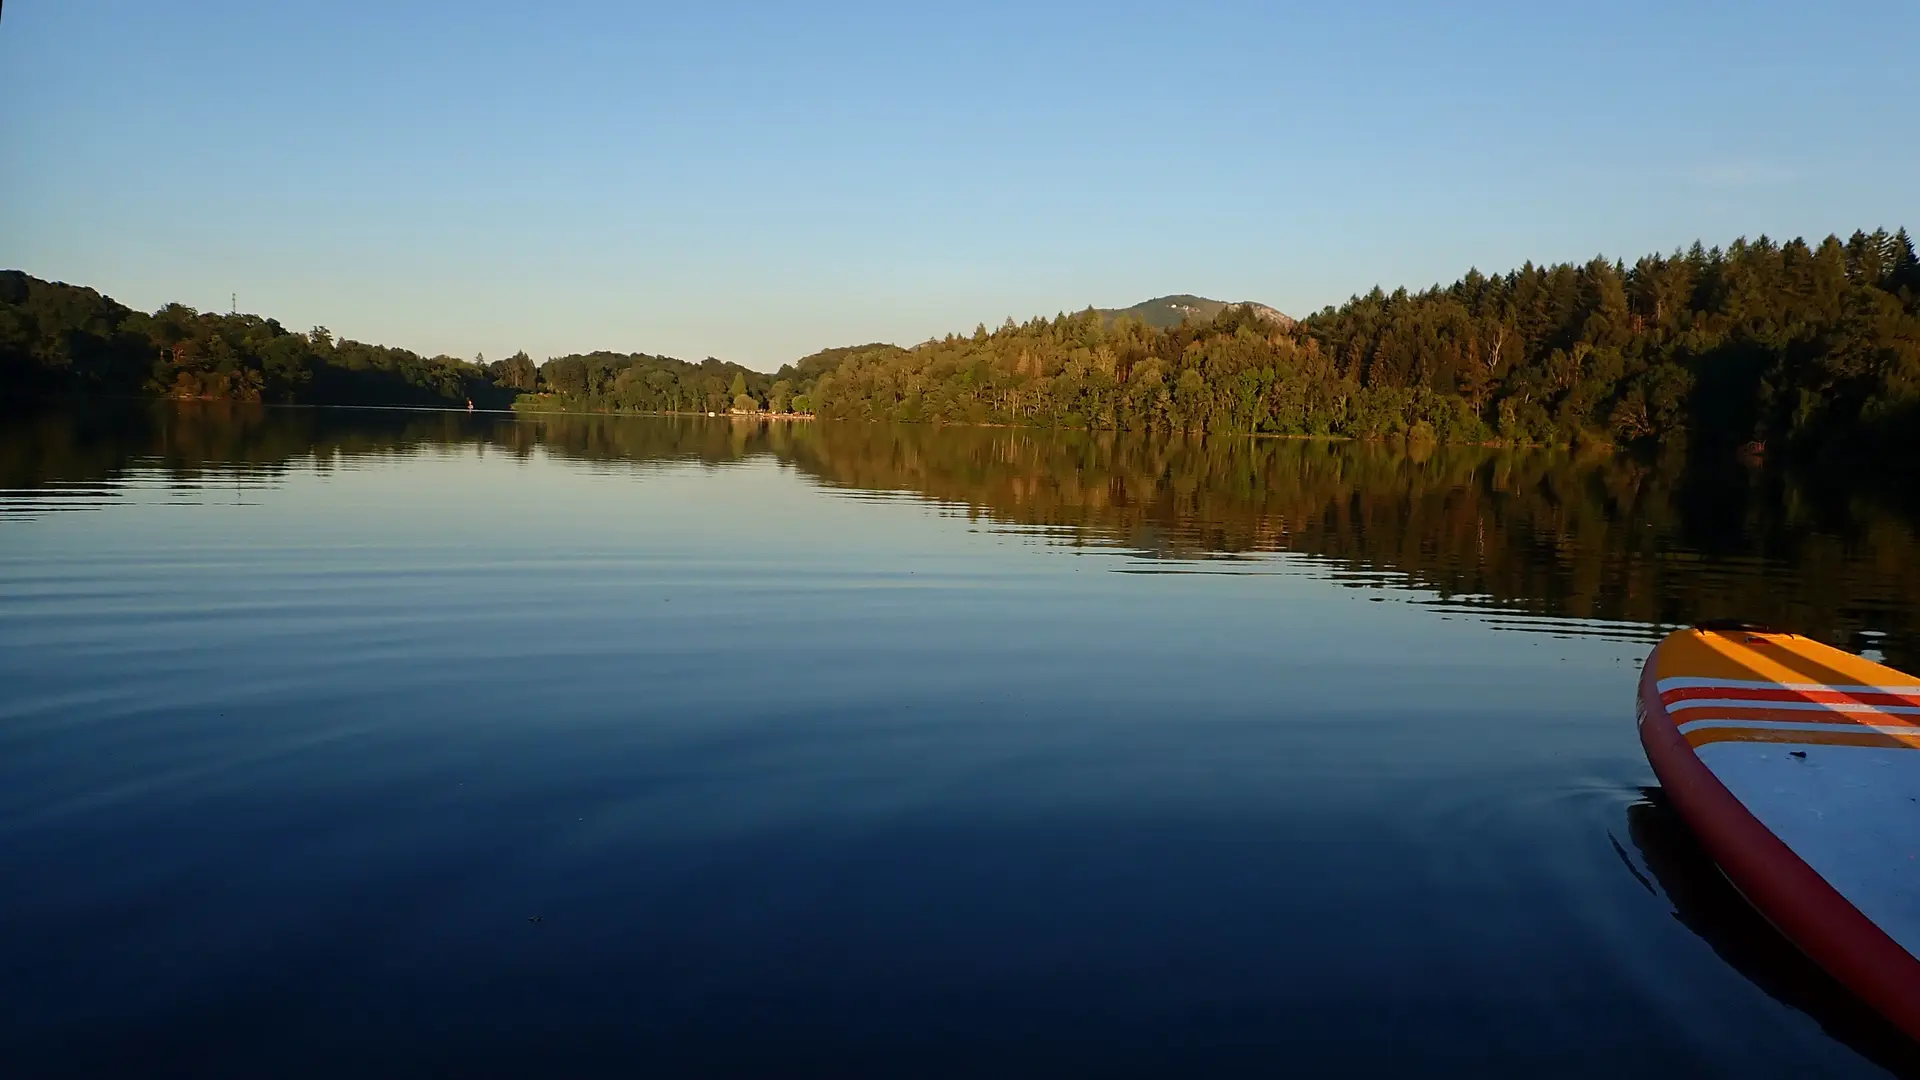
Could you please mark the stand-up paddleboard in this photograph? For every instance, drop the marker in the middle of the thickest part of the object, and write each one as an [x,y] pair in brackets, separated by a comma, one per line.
[1799,767]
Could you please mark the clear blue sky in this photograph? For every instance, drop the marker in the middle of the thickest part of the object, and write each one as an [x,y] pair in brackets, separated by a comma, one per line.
[756,181]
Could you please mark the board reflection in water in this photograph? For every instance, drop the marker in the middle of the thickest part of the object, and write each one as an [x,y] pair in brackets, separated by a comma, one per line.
[1672,862]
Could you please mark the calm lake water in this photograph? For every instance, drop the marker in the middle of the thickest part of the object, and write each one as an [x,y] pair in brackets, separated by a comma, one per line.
[368,743]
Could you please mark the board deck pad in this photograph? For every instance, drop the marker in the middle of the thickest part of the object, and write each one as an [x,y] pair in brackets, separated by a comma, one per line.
[1822,749]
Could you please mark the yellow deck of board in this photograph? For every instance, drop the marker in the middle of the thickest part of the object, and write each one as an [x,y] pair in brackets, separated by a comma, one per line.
[1788,659]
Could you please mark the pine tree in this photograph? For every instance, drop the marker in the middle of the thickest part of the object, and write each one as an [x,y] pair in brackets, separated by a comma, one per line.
[1903,267]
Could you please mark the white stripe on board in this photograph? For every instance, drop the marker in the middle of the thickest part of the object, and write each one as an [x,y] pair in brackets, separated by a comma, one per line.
[1690,683]
[1800,706]
[1795,725]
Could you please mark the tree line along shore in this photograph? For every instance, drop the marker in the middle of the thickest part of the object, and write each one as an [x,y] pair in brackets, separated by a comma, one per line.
[1764,345]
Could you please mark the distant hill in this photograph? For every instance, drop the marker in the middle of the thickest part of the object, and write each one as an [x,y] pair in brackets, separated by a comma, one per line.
[804,371]
[1167,311]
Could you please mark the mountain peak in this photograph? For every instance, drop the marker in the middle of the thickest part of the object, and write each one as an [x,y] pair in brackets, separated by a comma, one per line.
[1167,311]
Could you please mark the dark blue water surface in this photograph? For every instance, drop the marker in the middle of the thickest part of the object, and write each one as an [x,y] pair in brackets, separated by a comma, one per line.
[381,744]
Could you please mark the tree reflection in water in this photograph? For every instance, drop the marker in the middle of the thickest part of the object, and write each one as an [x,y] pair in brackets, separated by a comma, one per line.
[1633,544]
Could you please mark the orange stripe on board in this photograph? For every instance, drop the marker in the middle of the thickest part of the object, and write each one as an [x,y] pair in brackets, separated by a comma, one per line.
[1840,737]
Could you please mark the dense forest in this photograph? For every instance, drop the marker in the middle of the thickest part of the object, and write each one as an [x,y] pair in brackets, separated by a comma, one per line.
[59,340]
[63,340]
[1761,344]
[1758,343]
